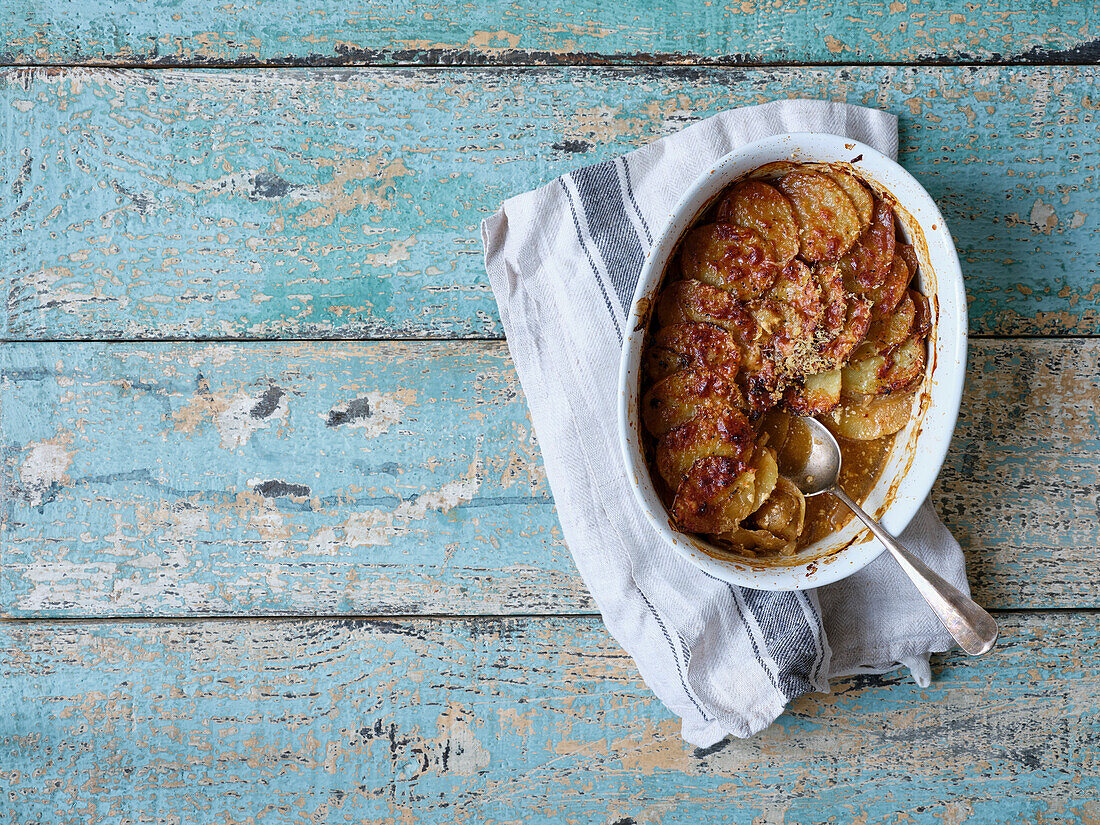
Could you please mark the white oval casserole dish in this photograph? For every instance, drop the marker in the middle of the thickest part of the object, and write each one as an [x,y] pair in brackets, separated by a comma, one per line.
[919,449]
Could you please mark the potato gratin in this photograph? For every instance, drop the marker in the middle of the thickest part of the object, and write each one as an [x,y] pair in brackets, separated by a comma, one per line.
[791,295]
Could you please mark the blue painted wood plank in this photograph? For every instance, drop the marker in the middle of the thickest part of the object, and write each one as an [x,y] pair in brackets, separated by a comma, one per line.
[335,203]
[400,478]
[174,32]
[300,478]
[534,720]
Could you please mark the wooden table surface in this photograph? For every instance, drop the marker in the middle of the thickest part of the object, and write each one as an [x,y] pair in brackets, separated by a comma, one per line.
[277,543]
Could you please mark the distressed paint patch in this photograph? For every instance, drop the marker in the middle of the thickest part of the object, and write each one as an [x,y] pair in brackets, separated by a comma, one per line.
[373,413]
[44,466]
[429,33]
[374,527]
[451,489]
[407,720]
[236,416]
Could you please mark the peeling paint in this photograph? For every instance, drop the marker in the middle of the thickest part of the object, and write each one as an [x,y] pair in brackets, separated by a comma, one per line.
[44,465]
[237,416]
[373,527]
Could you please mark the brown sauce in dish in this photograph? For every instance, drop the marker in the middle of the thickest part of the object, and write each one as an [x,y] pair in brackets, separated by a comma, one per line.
[861,466]
[790,296]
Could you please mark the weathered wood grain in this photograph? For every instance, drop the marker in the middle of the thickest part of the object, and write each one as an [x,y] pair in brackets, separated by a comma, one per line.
[536,720]
[178,32]
[337,203]
[291,477]
[403,478]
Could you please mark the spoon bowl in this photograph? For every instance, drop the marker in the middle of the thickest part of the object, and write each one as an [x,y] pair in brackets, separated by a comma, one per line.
[811,457]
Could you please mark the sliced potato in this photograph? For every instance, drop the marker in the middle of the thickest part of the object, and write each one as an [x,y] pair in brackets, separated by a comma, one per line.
[772,171]
[905,365]
[767,475]
[909,255]
[694,301]
[754,542]
[828,223]
[796,304]
[693,346]
[683,395]
[815,394]
[922,321]
[863,377]
[733,258]
[784,513]
[868,262]
[764,209]
[834,298]
[890,332]
[887,295]
[716,494]
[854,188]
[874,418]
[725,433]
[856,323]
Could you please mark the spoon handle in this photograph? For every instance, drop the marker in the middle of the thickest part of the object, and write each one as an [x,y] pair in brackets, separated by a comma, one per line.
[970,626]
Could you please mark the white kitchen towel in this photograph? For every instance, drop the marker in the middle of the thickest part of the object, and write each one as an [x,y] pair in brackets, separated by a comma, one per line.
[563,262]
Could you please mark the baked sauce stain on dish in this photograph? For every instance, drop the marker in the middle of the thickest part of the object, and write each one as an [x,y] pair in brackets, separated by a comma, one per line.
[794,292]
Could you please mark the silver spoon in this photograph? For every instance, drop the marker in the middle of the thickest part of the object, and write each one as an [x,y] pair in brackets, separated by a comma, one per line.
[970,626]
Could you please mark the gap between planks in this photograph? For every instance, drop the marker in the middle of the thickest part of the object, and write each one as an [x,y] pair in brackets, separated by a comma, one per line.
[570,61]
[369,618]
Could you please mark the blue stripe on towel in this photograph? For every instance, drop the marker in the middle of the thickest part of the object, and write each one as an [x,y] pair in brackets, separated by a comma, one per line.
[789,638]
[634,202]
[591,263]
[610,227]
[675,658]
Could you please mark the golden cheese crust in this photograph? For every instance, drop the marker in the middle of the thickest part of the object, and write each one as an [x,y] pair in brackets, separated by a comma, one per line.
[763,208]
[795,298]
[868,262]
[733,258]
[828,223]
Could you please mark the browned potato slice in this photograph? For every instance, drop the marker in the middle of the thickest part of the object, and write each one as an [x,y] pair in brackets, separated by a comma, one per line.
[853,187]
[889,333]
[764,209]
[863,377]
[814,394]
[783,515]
[694,301]
[715,495]
[711,433]
[905,365]
[683,395]
[773,170]
[730,257]
[875,418]
[887,295]
[856,323]
[834,298]
[692,346]
[828,223]
[909,255]
[922,321]
[868,262]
